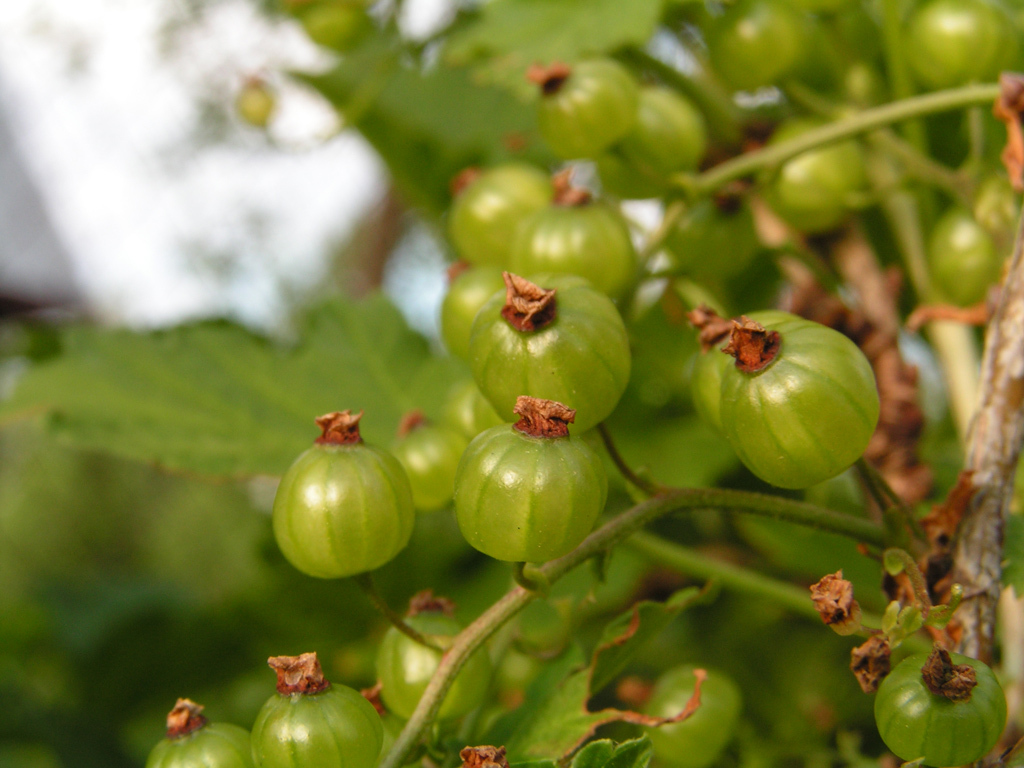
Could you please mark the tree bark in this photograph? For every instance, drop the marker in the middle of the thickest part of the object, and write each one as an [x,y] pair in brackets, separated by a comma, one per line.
[993,447]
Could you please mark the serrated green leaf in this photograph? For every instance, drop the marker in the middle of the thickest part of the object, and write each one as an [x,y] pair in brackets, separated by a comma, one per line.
[560,722]
[428,124]
[595,755]
[626,634]
[635,753]
[510,35]
[605,753]
[212,398]
[552,674]
[1013,554]
[534,764]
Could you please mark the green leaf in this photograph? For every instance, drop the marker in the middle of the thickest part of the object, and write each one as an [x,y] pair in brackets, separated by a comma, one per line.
[605,753]
[625,635]
[635,753]
[428,124]
[560,722]
[552,676]
[554,720]
[215,399]
[1013,554]
[510,35]
[595,755]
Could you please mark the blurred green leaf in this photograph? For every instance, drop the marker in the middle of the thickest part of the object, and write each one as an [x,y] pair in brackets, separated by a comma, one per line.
[510,35]
[215,399]
[1013,554]
[428,124]
[605,753]
[627,633]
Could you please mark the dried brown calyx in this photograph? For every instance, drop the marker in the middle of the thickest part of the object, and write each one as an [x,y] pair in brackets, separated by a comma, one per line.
[411,421]
[339,428]
[869,662]
[483,757]
[834,602]
[427,602]
[713,330]
[753,346]
[299,674]
[542,418]
[565,194]
[185,718]
[463,179]
[944,678]
[550,78]
[528,307]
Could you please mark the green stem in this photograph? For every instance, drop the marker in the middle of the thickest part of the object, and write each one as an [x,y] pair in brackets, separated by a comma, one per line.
[365,582]
[675,211]
[921,166]
[976,135]
[806,98]
[871,119]
[723,116]
[691,563]
[611,533]
[908,565]
[896,64]
[867,478]
[529,577]
[647,486]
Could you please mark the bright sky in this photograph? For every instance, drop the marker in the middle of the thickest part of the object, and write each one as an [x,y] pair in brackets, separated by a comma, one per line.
[162,221]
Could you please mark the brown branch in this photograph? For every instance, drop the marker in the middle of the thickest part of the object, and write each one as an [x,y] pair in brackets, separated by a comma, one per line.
[993,446]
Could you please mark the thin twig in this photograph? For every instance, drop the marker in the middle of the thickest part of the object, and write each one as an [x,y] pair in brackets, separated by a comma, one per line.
[365,582]
[673,214]
[774,155]
[993,447]
[647,486]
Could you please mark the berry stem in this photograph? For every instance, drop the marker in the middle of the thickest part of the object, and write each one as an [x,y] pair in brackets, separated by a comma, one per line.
[650,487]
[366,583]
[691,563]
[673,213]
[611,533]
[894,47]
[725,120]
[747,164]
[898,560]
[528,577]
[922,167]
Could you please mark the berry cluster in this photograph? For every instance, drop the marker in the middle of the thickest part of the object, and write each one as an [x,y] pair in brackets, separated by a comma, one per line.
[549,298]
